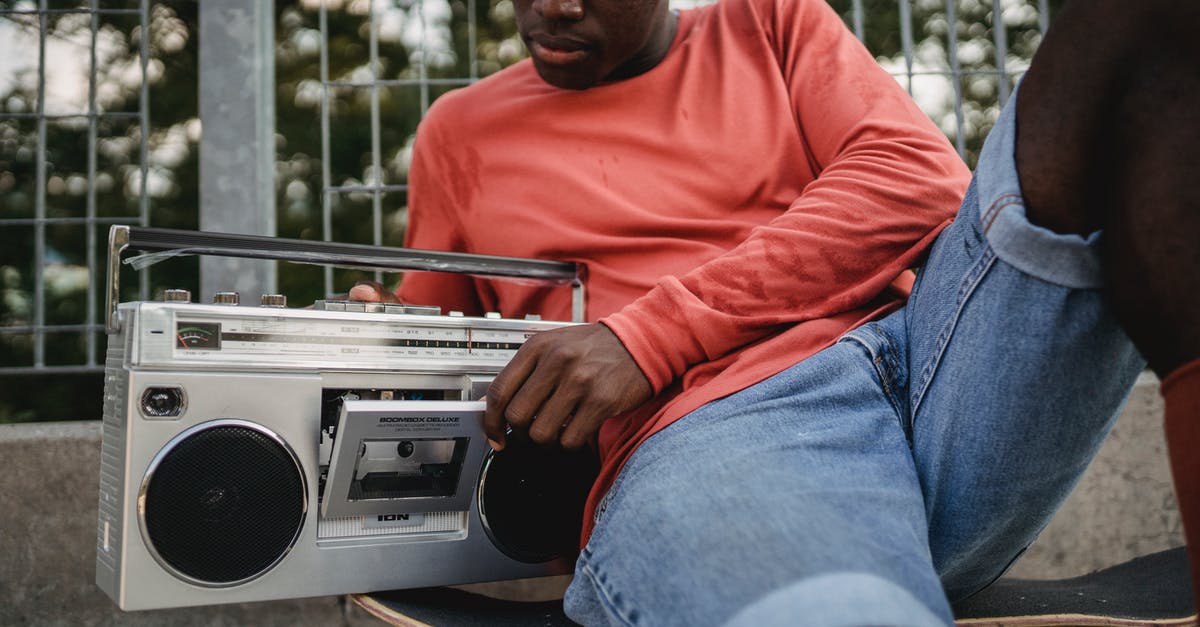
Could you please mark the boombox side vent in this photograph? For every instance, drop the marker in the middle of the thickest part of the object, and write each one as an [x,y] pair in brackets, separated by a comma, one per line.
[112,463]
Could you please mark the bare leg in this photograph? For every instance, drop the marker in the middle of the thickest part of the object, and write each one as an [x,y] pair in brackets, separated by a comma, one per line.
[1109,138]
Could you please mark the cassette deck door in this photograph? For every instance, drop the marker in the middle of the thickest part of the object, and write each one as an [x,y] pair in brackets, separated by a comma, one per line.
[404,457]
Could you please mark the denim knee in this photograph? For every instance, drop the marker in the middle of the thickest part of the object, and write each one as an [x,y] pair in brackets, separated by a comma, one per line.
[837,600]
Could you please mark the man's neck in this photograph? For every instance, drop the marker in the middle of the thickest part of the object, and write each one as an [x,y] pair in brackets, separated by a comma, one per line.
[652,54]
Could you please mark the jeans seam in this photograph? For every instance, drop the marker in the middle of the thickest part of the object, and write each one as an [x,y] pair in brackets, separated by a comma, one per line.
[993,210]
[882,372]
[884,382]
[603,595]
[885,367]
[986,260]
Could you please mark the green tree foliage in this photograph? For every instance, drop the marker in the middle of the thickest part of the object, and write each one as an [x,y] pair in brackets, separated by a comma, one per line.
[430,40]
[117,184]
[978,87]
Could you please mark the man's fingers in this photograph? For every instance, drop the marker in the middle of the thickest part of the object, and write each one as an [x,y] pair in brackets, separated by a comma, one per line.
[364,293]
[563,384]
[584,423]
[501,391]
[371,292]
[552,415]
[527,403]
[610,395]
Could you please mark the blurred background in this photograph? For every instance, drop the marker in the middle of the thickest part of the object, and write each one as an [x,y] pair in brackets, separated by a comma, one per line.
[123,111]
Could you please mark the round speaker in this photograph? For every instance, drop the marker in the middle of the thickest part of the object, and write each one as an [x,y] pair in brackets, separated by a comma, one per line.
[222,503]
[531,498]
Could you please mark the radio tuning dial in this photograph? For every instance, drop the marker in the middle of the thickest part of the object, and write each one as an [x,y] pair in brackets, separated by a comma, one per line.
[177,296]
[226,298]
[274,300]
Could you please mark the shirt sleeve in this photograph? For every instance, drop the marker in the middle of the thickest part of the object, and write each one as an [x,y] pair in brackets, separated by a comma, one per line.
[888,182]
[434,224]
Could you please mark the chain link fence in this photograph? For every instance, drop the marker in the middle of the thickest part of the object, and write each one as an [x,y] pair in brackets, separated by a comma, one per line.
[99,125]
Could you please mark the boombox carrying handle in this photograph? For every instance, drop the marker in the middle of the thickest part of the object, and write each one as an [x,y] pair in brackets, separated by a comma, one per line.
[121,237]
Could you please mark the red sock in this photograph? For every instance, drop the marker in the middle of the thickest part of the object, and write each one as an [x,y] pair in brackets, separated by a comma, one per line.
[1181,390]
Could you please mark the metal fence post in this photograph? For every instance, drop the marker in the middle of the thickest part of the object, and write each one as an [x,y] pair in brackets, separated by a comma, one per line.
[237,145]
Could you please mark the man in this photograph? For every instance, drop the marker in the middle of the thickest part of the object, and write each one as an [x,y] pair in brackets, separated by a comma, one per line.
[785,438]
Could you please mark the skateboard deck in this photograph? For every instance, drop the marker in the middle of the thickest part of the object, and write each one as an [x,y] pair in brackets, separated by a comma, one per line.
[444,607]
[1154,590]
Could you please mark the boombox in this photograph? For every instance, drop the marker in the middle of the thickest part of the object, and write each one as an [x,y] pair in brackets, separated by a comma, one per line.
[265,452]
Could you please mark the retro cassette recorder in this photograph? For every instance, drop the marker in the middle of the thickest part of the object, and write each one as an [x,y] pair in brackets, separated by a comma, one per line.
[264,452]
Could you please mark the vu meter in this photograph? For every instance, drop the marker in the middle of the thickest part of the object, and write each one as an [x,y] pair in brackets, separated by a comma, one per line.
[198,335]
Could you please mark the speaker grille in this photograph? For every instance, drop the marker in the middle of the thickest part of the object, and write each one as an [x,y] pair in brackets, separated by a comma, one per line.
[224,504]
[531,498]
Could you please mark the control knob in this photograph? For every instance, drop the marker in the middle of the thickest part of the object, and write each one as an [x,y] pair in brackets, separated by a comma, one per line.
[274,300]
[177,296]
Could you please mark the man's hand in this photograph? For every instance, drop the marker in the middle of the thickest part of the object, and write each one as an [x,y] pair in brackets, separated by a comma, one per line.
[371,292]
[563,384]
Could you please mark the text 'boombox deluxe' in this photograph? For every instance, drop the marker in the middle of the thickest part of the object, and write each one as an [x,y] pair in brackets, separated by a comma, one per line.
[254,453]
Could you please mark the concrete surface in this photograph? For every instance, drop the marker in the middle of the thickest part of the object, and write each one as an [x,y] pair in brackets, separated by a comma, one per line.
[48,496]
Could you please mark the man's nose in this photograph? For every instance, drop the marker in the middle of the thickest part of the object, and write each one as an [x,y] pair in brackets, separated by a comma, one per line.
[559,9]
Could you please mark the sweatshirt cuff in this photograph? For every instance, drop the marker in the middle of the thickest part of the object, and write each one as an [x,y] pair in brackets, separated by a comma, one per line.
[654,330]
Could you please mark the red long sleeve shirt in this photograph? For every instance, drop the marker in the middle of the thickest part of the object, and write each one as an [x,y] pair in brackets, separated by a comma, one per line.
[758,193]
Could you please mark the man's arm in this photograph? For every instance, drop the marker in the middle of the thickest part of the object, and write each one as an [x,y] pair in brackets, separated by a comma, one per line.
[888,179]
[888,183]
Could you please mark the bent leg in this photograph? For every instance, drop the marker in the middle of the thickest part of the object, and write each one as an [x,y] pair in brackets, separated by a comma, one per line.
[799,481]
[845,599]
[1141,170]
[1109,138]
[1153,249]
[1018,370]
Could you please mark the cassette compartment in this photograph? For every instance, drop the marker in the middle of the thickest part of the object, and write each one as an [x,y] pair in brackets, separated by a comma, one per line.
[405,468]
[404,456]
[332,399]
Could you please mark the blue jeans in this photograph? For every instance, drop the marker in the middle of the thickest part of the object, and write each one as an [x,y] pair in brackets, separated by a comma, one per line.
[905,466]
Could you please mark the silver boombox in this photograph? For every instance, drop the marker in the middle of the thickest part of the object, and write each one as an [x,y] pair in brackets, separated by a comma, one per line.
[254,453]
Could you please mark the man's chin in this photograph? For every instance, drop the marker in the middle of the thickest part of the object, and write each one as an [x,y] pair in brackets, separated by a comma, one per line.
[565,79]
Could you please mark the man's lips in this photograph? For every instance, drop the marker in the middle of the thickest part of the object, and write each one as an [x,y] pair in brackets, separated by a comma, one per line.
[557,50]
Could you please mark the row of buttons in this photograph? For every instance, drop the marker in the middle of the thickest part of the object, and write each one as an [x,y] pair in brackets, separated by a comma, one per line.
[361,307]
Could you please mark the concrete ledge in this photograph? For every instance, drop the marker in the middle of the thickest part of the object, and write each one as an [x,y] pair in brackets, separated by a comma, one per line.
[1124,507]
